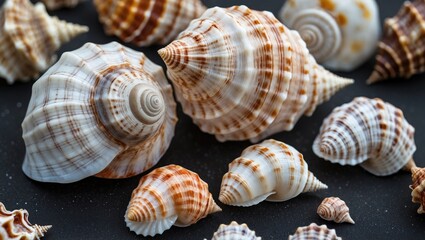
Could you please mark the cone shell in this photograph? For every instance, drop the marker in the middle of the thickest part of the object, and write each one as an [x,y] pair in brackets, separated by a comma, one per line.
[369,132]
[418,188]
[234,231]
[147,22]
[102,109]
[334,209]
[15,225]
[57,4]
[313,231]
[240,74]
[272,171]
[341,35]
[170,195]
[29,38]
[402,48]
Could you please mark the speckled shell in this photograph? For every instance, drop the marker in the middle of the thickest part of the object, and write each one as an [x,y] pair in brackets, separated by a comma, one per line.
[368,132]
[234,231]
[242,82]
[147,22]
[29,38]
[314,232]
[102,109]
[170,195]
[272,171]
[15,225]
[334,209]
[402,48]
[418,187]
[341,35]
[57,4]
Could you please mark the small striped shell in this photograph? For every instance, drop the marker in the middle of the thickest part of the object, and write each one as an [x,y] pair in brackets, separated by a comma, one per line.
[147,22]
[57,4]
[368,132]
[240,74]
[234,231]
[15,225]
[402,48]
[334,209]
[418,188]
[341,35]
[102,109]
[170,195]
[29,38]
[272,171]
[314,232]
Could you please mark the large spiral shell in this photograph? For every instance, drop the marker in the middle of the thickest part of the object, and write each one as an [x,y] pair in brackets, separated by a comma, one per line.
[234,231]
[334,209]
[102,109]
[368,132]
[314,232]
[170,195]
[418,188]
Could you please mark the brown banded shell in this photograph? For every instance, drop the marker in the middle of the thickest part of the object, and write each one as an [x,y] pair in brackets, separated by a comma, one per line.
[234,231]
[418,187]
[334,209]
[170,195]
[15,225]
[402,48]
[57,4]
[313,231]
[147,22]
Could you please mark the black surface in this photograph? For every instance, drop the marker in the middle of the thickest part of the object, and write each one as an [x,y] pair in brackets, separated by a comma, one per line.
[94,208]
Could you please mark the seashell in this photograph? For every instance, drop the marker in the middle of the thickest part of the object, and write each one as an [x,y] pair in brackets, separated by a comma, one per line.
[368,132]
[272,171]
[418,187]
[57,4]
[341,35]
[402,47]
[29,38]
[313,231]
[334,209]
[170,195]
[147,22]
[228,82]
[15,225]
[234,231]
[102,109]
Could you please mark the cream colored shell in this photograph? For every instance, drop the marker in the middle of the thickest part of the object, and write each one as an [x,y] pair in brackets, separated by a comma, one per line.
[272,171]
[418,188]
[102,109]
[29,38]
[57,4]
[334,209]
[170,195]
[234,231]
[242,82]
[340,34]
[314,232]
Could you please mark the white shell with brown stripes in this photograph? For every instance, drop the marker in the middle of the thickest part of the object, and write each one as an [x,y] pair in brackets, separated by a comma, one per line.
[313,231]
[234,231]
[334,209]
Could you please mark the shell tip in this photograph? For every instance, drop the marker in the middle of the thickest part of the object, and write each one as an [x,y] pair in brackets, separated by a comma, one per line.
[349,220]
[41,230]
[132,215]
[215,208]
[410,166]
[374,77]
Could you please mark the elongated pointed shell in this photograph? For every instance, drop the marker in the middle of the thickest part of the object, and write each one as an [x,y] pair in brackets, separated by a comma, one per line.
[240,74]
[272,171]
[170,195]
[102,109]
[402,48]
[341,35]
[57,4]
[15,225]
[29,38]
[234,231]
[313,231]
[147,22]
[418,188]
[334,209]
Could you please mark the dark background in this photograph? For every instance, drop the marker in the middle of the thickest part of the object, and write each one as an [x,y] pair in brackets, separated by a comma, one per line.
[94,208]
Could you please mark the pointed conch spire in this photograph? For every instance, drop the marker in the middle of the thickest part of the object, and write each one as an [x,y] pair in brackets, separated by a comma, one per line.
[313,184]
[41,230]
[67,31]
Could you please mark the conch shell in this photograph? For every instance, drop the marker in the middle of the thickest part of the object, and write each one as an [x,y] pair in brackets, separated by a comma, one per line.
[234,231]
[147,22]
[29,38]
[167,196]
[368,132]
[334,209]
[57,4]
[341,35]
[402,48]
[313,231]
[272,171]
[15,225]
[240,74]
[418,187]
[102,109]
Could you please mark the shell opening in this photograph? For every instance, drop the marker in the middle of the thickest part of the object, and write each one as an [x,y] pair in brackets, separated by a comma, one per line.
[146,103]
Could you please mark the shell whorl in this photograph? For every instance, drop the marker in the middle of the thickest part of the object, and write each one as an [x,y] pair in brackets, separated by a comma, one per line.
[418,188]
[334,209]
[313,231]
[234,231]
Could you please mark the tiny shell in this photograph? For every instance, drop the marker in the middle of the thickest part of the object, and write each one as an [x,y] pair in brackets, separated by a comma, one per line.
[334,209]
[167,196]
[368,132]
[272,171]
[15,225]
[57,4]
[418,188]
[234,231]
[314,232]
